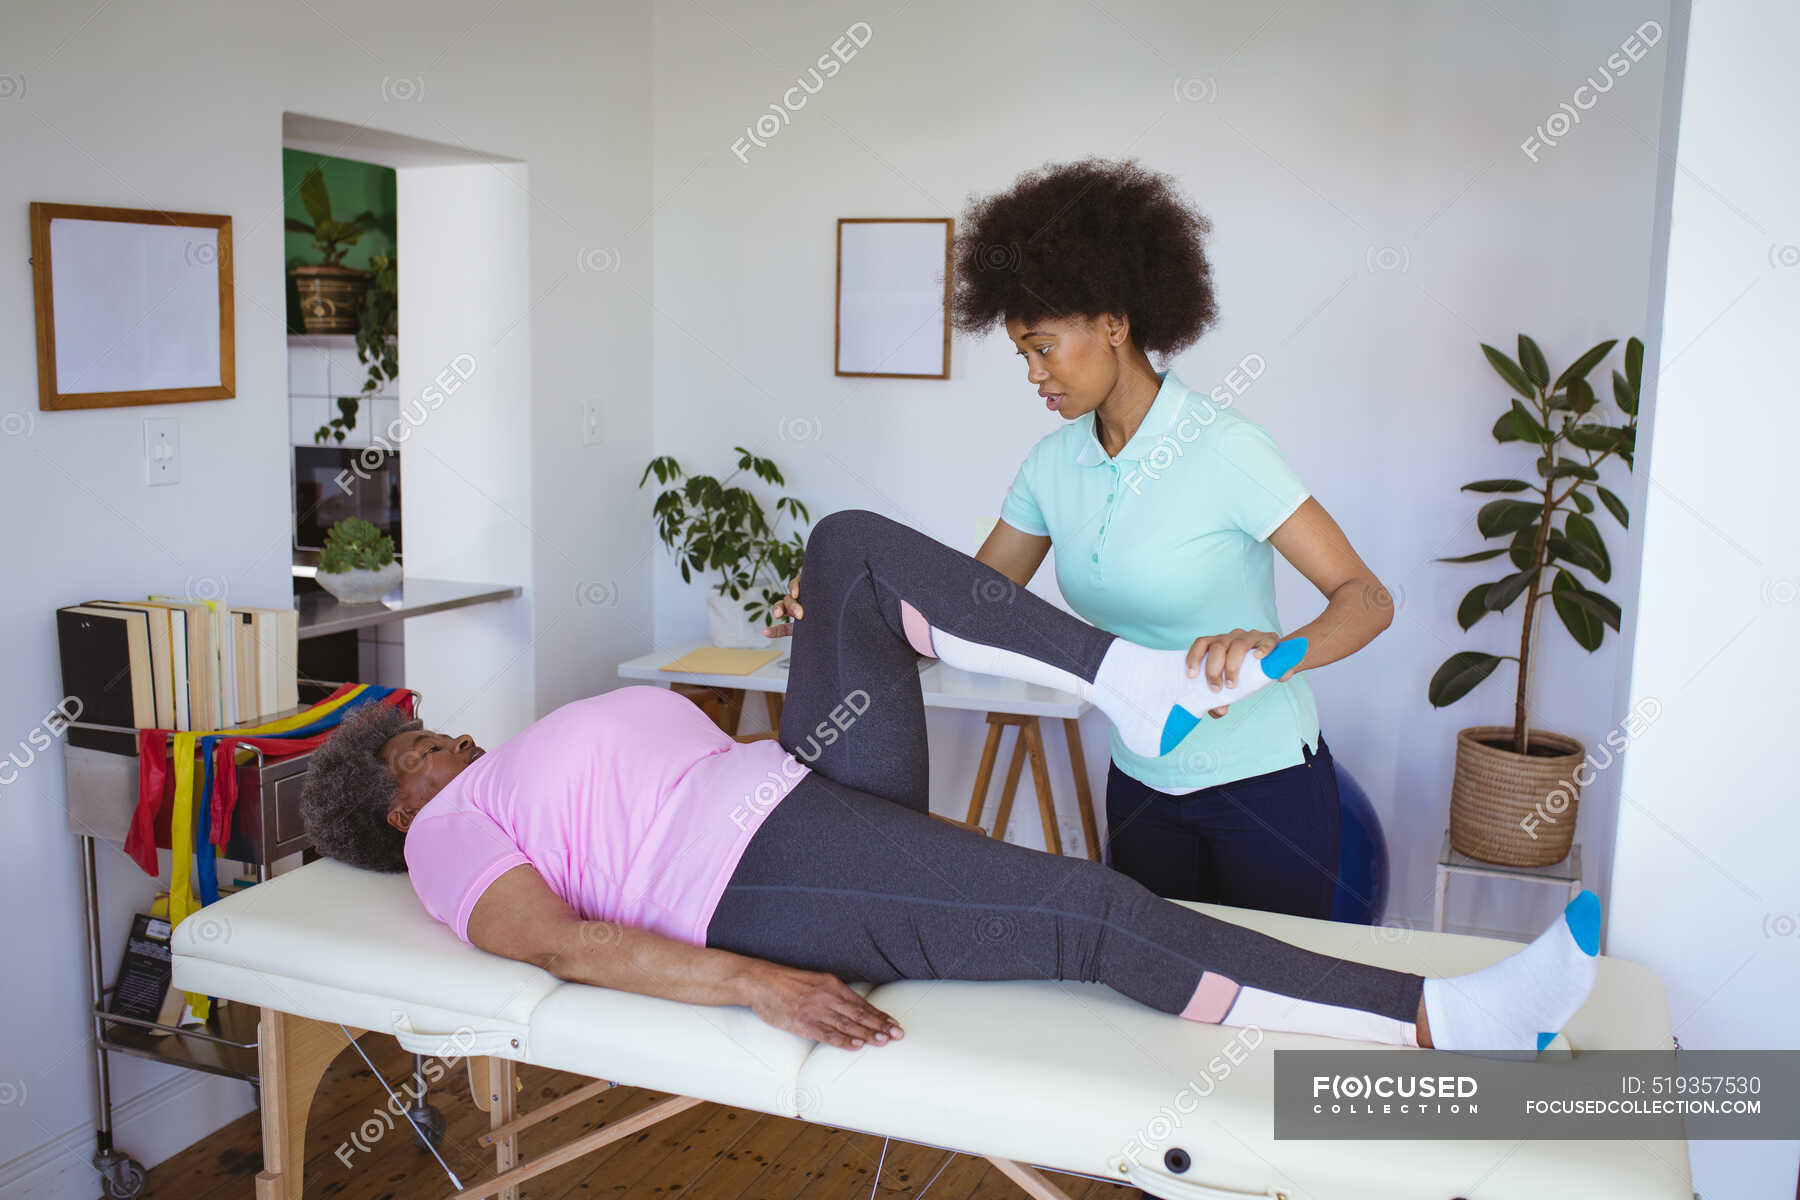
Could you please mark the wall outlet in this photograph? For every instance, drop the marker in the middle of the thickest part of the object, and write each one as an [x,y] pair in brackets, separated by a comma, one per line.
[590,423]
[162,451]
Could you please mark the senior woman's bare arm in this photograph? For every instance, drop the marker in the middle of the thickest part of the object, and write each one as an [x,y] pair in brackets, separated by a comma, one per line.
[519,917]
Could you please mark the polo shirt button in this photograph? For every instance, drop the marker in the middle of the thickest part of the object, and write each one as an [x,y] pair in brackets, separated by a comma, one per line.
[1096,556]
[1110,495]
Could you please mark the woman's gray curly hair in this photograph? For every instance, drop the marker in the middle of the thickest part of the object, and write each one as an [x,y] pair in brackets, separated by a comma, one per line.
[349,789]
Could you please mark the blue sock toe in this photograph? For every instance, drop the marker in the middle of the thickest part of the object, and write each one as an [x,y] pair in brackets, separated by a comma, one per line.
[1583,916]
[1276,662]
[1179,723]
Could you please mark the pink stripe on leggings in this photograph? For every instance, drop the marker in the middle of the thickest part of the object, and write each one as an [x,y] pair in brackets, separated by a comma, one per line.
[1212,999]
[918,631]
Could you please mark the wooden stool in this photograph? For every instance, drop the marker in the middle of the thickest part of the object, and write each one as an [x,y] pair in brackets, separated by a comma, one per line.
[1030,740]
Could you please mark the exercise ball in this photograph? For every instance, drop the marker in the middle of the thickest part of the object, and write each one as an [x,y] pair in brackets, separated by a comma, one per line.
[1362,856]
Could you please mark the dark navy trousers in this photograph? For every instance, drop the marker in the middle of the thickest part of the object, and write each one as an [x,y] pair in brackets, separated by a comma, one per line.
[1268,842]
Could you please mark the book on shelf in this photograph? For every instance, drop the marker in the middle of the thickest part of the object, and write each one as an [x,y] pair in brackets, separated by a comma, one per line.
[169,663]
[106,664]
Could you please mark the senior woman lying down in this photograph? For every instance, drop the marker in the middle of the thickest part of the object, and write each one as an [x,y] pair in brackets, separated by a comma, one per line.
[625,841]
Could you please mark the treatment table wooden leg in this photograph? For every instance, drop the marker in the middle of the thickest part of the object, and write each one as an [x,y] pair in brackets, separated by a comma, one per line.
[496,1095]
[1029,1179]
[587,1143]
[292,1055]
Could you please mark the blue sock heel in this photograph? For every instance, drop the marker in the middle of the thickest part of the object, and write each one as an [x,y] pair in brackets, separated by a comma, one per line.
[1583,916]
[1276,662]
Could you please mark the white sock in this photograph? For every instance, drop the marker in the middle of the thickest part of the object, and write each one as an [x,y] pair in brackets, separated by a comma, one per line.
[1154,704]
[1521,1002]
[1146,693]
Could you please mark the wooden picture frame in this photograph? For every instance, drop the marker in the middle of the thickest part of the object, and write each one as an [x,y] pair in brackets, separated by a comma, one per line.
[891,310]
[134,306]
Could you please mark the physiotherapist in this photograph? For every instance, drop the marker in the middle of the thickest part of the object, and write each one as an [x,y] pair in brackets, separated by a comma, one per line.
[1165,508]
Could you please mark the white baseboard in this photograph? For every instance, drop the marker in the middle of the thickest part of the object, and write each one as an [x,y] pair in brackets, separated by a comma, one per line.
[151,1126]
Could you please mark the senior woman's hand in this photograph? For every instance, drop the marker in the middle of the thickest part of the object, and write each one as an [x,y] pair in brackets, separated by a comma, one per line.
[816,1005]
[789,606]
[1221,656]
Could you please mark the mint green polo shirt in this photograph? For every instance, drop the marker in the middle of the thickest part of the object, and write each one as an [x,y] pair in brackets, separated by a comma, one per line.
[1169,542]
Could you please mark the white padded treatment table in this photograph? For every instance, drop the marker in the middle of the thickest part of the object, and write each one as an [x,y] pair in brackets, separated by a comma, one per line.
[1061,1075]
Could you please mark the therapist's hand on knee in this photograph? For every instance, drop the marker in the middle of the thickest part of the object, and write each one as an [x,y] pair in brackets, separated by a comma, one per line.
[1222,655]
[788,607]
[817,1005]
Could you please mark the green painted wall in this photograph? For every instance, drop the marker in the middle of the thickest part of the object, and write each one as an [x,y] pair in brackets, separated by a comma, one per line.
[354,187]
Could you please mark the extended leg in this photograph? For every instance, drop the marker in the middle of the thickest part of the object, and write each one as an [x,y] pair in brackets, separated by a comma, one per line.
[838,880]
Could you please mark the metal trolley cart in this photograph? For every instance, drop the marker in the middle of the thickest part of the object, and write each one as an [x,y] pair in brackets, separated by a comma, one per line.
[102,768]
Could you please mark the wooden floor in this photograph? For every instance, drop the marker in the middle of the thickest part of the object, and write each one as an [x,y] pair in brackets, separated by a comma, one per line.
[710,1152]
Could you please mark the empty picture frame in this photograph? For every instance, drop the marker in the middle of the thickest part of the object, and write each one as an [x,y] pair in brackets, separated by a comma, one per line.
[134,306]
[893,297]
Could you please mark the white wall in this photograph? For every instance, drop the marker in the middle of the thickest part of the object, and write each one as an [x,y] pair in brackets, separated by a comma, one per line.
[466,458]
[181,108]
[1375,220]
[1704,885]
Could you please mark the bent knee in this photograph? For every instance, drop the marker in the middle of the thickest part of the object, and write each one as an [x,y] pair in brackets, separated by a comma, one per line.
[845,530]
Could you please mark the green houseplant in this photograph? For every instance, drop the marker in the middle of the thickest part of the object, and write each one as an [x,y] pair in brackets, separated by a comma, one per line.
[378,323]
[357,564]
[1514,794]
[331,294]
[718,525]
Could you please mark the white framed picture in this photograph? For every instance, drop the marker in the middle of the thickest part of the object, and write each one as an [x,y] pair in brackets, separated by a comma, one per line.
[893,297]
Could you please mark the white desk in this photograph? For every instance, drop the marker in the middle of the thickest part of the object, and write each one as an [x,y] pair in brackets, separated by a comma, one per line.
[1005,701]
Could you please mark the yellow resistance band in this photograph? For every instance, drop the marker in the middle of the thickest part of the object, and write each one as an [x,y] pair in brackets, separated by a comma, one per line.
[181,818]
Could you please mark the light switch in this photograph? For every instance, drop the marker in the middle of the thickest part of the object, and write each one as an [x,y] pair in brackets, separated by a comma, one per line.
[162,451]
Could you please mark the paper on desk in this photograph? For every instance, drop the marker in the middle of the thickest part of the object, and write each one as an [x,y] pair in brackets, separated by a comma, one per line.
[718,660]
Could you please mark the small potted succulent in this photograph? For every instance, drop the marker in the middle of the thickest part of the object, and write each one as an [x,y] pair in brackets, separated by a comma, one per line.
[713,525]
[357,565]
[331,294]
[1513,796]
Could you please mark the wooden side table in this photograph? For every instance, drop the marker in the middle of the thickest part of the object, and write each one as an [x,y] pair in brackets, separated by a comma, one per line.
[1451,861]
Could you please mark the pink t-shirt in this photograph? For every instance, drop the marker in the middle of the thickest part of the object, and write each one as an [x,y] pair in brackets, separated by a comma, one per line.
[633,806]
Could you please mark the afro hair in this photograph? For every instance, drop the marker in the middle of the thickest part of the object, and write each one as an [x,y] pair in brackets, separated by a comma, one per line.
[349,789]
[1086,238]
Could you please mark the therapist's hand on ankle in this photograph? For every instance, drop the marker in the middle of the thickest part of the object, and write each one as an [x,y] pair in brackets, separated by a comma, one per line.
[788,607]
[816,1005]
[1221,657]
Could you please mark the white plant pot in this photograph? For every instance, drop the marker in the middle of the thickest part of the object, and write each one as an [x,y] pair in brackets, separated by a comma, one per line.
[727,624]
[359,585]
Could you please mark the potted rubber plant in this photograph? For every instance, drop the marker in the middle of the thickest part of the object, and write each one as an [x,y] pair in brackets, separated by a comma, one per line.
[720,527]
[1514,795]
[331,294]
[357,564]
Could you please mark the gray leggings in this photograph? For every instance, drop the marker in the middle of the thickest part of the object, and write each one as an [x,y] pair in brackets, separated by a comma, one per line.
[848,874]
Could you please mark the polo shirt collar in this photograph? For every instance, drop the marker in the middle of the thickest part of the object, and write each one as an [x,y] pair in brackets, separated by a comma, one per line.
[1157,421]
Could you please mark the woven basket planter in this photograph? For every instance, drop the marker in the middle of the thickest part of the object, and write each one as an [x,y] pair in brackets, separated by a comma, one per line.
[331,298]
[1514,809]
